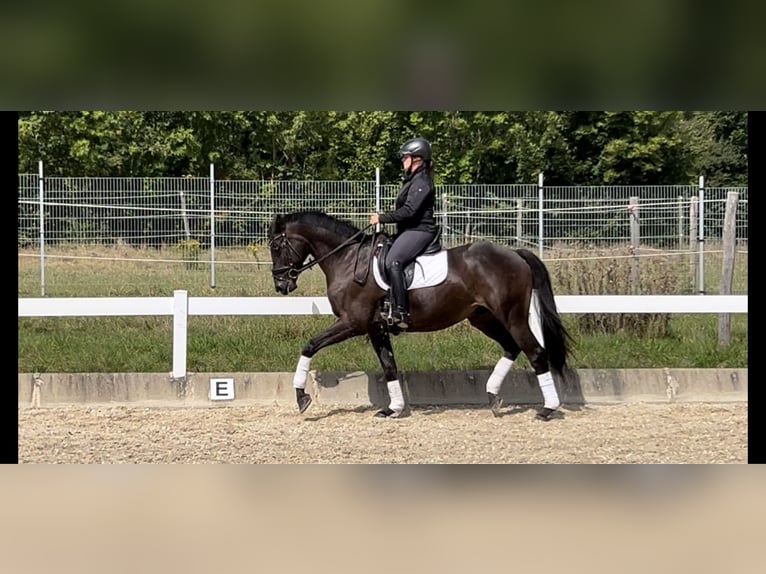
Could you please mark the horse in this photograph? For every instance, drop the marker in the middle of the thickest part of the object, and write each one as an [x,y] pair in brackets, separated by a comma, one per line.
[505,293]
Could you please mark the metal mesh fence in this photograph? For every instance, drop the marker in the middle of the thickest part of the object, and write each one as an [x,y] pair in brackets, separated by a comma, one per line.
[244,209]
[28,210]
[97,228]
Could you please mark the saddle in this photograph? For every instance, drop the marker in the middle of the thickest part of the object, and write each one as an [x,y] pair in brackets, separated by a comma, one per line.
[384,245]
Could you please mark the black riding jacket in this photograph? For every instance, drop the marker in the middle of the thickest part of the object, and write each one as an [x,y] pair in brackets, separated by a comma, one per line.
[414,204]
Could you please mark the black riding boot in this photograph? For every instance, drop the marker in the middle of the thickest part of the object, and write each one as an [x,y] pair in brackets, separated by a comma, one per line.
[400,307]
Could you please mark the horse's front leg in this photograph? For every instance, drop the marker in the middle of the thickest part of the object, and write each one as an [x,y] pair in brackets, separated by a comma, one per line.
[340,331]
[381,342]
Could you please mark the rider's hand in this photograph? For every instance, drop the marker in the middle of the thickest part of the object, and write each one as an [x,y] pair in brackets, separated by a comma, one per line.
[374,219]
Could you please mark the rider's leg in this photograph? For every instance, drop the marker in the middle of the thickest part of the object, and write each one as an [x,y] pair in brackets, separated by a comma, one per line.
[400,304]
[408,245]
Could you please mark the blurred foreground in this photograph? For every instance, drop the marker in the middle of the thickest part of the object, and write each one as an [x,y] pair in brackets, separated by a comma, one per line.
[246,519]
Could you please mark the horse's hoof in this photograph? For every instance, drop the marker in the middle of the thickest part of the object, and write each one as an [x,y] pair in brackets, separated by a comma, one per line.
[495,403]
[545,414]
[303,403]
[386,414]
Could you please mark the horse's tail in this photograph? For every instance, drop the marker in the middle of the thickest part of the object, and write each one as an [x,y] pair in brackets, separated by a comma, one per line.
[557,339]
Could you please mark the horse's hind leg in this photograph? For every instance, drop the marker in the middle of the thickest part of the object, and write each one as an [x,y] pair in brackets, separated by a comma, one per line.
[381,342]
[538,358]
[488,324]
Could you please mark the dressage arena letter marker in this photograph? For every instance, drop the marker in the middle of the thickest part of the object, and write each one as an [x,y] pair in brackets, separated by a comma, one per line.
[221,389]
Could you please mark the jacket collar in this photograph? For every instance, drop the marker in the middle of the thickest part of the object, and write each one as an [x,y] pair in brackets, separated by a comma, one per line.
[412,174]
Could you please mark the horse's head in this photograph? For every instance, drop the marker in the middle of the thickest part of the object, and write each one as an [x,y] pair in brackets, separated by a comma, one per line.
[287,255]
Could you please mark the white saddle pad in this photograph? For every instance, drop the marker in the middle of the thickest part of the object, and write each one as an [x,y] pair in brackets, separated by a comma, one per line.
[429,270]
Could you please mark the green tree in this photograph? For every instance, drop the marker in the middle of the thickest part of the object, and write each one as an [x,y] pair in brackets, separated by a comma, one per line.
[570,148]
[628,148]
[717,142]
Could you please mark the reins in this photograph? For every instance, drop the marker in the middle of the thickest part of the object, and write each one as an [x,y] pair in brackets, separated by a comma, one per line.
[293,272]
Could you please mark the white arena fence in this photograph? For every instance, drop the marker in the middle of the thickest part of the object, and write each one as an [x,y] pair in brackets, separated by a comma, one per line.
[181,307]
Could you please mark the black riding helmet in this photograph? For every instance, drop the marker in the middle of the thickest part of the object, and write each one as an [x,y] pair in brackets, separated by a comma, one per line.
[418,147]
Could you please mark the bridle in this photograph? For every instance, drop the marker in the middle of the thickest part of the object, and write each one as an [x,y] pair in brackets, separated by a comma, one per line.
[279,242]
[290,271]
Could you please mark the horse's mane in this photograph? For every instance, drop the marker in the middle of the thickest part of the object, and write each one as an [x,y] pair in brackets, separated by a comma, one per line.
[320,219]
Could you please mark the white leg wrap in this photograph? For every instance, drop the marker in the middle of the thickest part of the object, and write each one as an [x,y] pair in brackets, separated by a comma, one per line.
[548,388]
[301,372]
[497,377]
[396,403]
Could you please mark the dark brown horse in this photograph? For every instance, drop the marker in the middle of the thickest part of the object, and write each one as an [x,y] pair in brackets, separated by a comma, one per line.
[505,293]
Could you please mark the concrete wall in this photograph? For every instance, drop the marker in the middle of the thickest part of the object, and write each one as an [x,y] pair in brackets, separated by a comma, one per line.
[361,388]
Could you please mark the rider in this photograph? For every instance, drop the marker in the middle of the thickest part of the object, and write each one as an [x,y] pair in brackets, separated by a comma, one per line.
[415,223]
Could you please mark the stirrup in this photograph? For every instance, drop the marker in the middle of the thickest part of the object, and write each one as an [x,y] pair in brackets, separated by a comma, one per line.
[385,312]
[401,320]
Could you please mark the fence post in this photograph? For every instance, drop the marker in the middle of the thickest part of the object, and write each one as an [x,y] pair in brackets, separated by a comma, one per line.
[680,223]
[519,227]
[180,323]
[184,216]
[540,212]
[444,215]
[212,226]
[42,227]
[701,240]
[635,240]
[467,233]
[693,206]
[377,196]
[729,251]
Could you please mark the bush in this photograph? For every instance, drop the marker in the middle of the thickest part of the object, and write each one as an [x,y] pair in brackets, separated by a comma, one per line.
[591,271]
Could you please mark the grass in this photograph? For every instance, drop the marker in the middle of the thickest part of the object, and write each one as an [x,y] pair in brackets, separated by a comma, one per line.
[254,344]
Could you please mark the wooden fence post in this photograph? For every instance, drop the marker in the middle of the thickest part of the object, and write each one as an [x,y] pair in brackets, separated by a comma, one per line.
[729,252]
[184,217]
